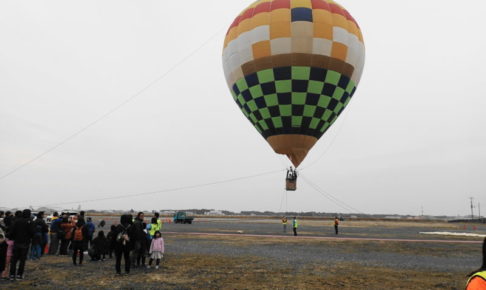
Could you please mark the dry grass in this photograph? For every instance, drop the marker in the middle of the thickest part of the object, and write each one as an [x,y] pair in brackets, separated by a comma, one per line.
[220,272]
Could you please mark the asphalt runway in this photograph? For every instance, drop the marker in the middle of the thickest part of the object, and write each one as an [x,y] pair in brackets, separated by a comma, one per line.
[337,238]
[320,230]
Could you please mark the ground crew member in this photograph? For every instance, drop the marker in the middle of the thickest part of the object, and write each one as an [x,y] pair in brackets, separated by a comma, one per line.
[477,279]
[336,225]
[284,224]
[159,222]
[295,225]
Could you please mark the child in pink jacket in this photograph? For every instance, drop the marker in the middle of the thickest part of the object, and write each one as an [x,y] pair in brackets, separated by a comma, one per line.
[157,250]
[6,256]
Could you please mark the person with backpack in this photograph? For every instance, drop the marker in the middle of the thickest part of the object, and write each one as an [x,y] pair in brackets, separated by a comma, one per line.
[123,237]
[64,234]
[79,237]
[157,249]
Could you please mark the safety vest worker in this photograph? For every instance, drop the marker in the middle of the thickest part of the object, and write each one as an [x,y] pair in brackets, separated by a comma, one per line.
[154,228]
[477,281]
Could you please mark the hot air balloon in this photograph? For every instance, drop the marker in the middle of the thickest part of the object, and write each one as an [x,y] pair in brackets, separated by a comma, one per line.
[292,66]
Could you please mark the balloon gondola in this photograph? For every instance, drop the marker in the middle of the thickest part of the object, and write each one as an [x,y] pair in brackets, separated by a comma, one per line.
[291,179]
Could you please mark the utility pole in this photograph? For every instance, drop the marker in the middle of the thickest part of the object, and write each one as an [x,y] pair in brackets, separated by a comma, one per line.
[472,207]
[479,210]
[422,210]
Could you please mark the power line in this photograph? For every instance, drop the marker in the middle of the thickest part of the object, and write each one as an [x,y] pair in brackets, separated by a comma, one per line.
[111,111]
[331,197]
[166,190]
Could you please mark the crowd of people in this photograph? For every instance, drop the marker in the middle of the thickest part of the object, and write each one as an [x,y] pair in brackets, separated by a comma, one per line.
[24,236]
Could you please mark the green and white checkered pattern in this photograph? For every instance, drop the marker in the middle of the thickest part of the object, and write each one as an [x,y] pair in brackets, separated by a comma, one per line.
[293,100]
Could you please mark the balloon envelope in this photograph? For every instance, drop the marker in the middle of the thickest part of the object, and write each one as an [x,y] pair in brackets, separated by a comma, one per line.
[292,67]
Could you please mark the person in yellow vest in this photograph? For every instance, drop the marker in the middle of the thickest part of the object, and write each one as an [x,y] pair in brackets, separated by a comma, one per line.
[159,222]
[295,225]
[152,227]
[284,224]
[477,279]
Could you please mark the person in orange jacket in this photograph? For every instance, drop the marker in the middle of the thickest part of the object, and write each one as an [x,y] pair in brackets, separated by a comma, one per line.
[336,225]
[477,279]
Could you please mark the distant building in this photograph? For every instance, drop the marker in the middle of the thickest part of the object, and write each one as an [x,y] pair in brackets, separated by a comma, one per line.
[214,212]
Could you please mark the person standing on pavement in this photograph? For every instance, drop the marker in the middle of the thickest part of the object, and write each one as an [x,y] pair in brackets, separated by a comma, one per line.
[21,233]
[336,225]
[295,225]
[477,279]
[284,224]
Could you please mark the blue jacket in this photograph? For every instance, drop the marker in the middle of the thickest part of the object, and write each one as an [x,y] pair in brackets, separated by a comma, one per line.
[91,228]
[55,225]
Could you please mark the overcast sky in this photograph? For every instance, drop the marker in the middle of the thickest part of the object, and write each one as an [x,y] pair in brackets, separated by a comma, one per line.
[412,137]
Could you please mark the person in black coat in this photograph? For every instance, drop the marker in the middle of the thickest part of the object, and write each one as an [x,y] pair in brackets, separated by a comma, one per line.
[99,248]
[21,232]
[140,241]
[7,220]
[111,240]
[41,230]
[123,240]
